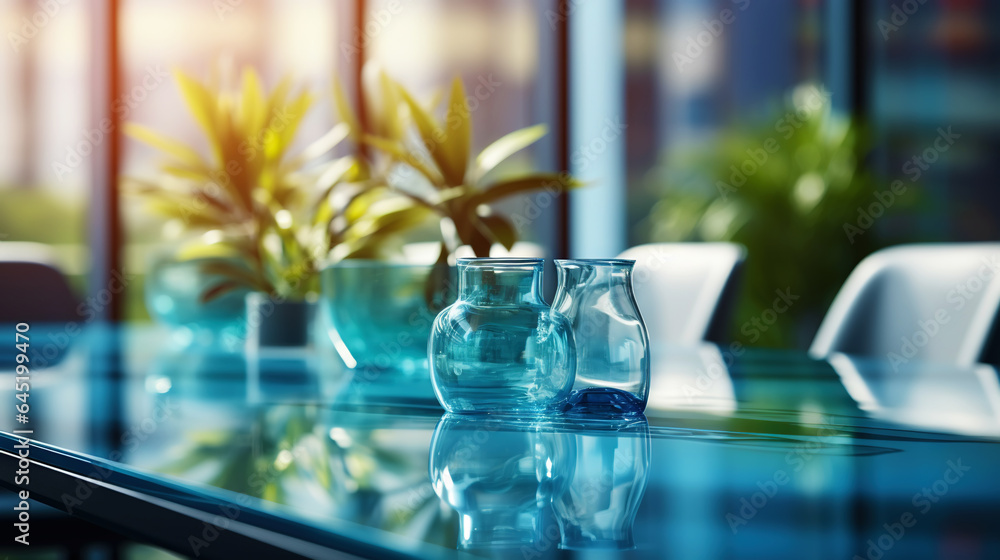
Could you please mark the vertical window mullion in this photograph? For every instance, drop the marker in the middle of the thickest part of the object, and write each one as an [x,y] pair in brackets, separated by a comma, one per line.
[562,119]
[105,231]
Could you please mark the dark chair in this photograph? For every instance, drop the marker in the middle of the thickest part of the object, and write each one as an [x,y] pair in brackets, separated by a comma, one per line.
[32,289]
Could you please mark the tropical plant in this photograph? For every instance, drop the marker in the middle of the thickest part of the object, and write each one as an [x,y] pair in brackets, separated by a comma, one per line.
[274,219]
[433,172]
[266,213]
[785,190]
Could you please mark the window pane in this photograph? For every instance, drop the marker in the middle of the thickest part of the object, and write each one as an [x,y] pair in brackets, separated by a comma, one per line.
[278,39]
[505,54]
[46,143]
[707,81]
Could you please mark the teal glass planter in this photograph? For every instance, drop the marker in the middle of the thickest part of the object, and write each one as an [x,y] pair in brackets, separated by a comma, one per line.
[612,345]
[500,348]
[381,312]
[173,290]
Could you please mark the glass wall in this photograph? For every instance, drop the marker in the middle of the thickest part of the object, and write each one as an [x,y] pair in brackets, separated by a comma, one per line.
[703,83]
[48,138]
[935,73]
[300,40]
[423,45]
[707,83]
[505,53]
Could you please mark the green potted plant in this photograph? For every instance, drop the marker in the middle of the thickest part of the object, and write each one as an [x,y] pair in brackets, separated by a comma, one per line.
[265,216]
[424,172]
[789,190]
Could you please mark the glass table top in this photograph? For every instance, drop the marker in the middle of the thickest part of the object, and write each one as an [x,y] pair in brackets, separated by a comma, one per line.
[761,455]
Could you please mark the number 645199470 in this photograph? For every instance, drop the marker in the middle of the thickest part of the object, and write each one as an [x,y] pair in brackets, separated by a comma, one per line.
[22,347]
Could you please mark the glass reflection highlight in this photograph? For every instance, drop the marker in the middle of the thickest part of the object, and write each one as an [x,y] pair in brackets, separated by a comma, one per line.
[507,478]
[609,468]
[498,475]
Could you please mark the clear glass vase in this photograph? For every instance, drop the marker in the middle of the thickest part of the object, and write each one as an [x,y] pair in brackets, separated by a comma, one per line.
[500,348]
[612,346]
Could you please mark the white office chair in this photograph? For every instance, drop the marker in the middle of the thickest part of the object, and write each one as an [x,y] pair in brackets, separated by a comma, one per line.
[932,302]
[685,291]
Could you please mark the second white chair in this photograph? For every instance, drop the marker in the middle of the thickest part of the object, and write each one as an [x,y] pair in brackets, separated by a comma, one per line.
[930,302]
[686,291]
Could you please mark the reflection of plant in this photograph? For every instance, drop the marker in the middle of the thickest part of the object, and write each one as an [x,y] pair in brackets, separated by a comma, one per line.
[259,204]
[785,192]
[292,450]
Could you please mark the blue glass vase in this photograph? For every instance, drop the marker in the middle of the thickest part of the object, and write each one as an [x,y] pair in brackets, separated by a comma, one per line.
[607,467]
[500,348]
[612,346]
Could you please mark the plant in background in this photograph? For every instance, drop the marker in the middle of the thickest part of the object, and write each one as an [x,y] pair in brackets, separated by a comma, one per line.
[785,191]
[433,173]
[272,220]
[267,215]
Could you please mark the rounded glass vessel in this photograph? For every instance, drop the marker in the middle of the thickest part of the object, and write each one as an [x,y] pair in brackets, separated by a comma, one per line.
[500,348]
[607,467]
[499,475]
[612,346]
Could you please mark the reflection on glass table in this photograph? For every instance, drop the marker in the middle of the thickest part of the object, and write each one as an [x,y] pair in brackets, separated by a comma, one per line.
[757,455]
[607,473]
[965,402]
[498,474]
[506,478]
